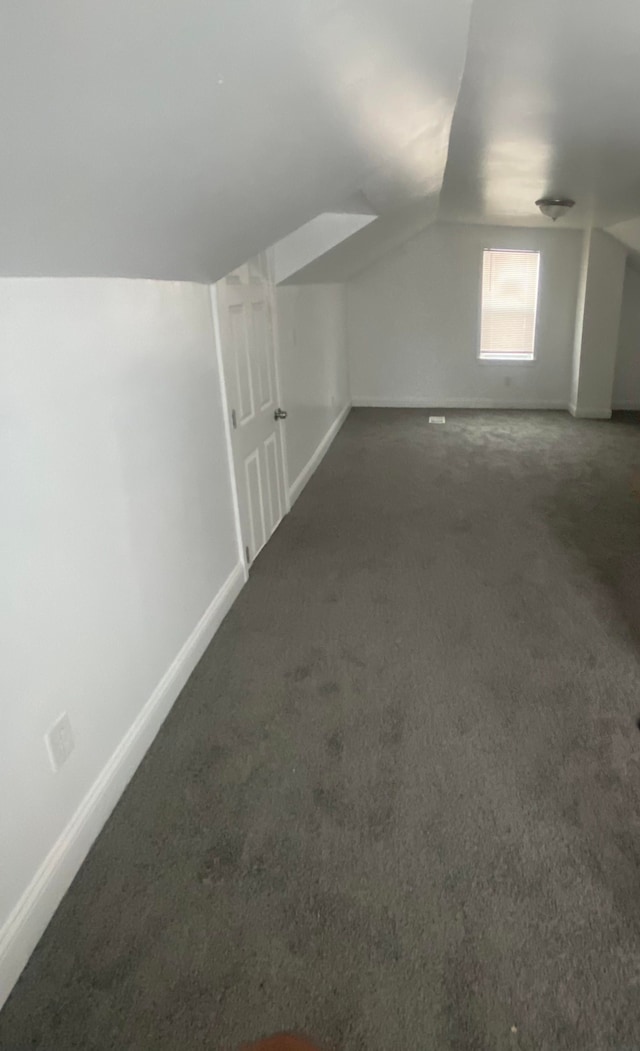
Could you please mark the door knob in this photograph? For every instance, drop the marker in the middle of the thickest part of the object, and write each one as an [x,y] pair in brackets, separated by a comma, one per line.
[279,414]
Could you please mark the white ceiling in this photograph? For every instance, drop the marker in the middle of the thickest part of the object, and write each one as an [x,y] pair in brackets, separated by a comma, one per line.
[176,138]
[548,106]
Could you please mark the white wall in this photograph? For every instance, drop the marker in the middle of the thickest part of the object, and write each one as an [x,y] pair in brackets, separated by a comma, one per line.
[118,548]
[626,384]
[313,372]
[413,321]
[581,300]
[597,325]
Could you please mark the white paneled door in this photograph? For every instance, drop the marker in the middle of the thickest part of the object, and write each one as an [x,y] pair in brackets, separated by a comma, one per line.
[247,337]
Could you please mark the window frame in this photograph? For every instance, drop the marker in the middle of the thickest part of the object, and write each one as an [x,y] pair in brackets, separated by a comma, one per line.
[509,359]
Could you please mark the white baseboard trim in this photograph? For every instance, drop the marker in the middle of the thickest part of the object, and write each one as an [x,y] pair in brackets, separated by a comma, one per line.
[589,414]
[366,401]
[305,474]
[30,917]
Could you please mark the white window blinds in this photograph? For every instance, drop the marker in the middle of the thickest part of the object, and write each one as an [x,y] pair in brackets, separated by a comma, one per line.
[509,302]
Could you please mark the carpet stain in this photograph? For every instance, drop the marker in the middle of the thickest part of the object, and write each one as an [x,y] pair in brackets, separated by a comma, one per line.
[329,689]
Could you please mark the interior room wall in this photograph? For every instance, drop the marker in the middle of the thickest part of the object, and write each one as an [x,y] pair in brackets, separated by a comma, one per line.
[597,325]
[313,372]
[120,556]
[413,322]
[626,384]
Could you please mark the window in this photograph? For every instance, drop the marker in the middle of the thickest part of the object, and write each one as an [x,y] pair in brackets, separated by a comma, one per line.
[509,302]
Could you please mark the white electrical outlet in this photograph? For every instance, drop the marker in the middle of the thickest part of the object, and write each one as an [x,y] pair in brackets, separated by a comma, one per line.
[59,741]
[437,419]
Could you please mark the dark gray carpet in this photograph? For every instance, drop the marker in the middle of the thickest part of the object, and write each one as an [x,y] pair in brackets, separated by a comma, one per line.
[398,804]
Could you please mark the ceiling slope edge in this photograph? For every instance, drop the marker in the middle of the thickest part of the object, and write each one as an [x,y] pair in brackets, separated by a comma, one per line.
[165,141]
[397,223]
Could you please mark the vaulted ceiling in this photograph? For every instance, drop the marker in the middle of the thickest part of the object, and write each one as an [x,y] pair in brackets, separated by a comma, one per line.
[176,138]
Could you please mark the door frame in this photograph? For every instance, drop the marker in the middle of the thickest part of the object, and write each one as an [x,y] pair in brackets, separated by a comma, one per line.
[275,339]
[226,412]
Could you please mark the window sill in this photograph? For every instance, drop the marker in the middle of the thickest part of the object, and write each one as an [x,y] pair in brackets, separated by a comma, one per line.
[506,359]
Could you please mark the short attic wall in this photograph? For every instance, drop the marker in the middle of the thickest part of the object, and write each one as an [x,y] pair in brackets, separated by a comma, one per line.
[413,322]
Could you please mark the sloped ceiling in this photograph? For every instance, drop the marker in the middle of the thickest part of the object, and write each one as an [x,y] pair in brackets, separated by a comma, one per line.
[176,138]
[628,234]
[547,106]
[364,247]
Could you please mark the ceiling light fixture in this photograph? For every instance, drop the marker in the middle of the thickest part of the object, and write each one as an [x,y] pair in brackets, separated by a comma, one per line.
[555,207]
